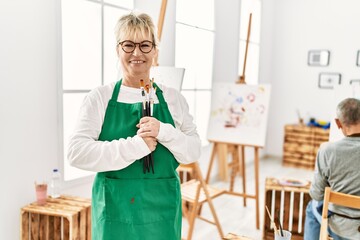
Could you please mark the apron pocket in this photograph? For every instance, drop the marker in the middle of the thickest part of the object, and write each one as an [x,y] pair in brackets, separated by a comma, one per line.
[141,201]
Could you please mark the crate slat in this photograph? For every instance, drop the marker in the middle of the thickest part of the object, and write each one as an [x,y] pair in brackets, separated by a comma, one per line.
[25,225]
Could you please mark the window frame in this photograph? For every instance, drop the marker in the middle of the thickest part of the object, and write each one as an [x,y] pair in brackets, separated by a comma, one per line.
[196,89]
[75,180]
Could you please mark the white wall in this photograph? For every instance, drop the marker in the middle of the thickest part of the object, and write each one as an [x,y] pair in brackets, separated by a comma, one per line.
[28,104]
[289,29]
[227,13]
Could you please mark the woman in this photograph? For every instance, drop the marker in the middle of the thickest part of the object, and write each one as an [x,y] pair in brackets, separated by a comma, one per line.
[113,138]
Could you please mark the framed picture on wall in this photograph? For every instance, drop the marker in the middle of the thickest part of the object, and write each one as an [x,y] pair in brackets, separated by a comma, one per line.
[329,80]
[318,58]
[358,58]
[355,81]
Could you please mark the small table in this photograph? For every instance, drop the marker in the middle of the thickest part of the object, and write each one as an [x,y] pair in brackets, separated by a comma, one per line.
[66,217]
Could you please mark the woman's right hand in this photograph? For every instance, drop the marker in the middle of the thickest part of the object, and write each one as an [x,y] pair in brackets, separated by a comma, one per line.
[150,142]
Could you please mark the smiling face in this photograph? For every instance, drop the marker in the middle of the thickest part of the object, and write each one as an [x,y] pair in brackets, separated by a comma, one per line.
[132,32]
[135,65]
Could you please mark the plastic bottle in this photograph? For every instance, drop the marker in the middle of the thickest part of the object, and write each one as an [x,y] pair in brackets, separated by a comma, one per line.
[55,184]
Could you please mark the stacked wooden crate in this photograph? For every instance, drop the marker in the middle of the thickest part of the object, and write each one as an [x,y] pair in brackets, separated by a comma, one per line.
[301,144]
[66,217]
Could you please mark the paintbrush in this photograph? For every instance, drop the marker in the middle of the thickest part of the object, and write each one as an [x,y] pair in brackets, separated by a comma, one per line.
[151,96]
[143,92]
[278,218]
[146,160]
[148,113]
[151,107]
[272,220]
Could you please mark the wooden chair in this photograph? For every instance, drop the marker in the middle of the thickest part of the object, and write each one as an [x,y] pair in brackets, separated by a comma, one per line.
[195,193]
[186,172]
[336,198]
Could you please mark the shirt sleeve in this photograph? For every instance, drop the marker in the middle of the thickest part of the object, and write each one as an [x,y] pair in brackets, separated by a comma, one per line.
[320,180]
[182,140]
[86,152]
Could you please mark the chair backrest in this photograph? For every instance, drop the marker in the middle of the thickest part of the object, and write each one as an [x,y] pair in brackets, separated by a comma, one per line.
[186,172]
[339,199]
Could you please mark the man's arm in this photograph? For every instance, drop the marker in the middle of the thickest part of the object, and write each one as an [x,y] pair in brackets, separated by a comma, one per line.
[320,180]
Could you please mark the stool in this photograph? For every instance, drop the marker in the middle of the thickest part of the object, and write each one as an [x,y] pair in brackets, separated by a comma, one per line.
[66,217]
[289,200]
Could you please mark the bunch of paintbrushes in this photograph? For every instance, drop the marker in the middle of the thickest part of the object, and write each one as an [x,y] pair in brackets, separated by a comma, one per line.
[276,231]
[147,93]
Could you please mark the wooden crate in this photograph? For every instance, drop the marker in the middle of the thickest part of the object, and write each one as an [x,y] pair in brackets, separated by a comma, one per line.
[292,201]
[65,218]
[301,144]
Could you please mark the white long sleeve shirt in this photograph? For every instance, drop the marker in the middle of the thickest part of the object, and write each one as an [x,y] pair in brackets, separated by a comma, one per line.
[86,152]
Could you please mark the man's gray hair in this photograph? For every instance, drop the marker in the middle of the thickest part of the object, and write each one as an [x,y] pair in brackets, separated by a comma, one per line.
[348,111]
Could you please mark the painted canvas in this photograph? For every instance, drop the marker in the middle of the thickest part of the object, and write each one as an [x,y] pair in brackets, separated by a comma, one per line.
[340,93]
[239,113]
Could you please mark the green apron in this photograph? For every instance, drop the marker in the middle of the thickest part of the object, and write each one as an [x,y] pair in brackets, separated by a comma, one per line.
[128,204]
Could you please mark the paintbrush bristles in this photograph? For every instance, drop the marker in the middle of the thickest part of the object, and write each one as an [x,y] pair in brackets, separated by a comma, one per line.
[141,83]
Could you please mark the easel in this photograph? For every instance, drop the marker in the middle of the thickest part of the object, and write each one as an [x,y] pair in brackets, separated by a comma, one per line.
[242,77]
[237,167]
[160,26]
[222,149]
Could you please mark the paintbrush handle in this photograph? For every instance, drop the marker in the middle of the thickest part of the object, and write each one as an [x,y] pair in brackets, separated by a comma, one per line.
[152,163]
[281,230]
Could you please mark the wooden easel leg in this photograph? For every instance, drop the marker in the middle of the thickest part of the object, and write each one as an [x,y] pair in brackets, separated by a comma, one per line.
[193,214]
[256,161]
[234,168]
[243,171]
[222,153]
[213,153]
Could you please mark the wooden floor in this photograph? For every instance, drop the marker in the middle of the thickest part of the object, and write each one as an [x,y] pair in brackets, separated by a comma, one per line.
[233,216]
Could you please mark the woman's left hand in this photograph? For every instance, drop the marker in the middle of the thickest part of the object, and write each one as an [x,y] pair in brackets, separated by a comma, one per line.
[148,127]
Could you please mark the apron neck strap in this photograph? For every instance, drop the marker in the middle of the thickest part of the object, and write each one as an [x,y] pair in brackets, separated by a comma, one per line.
[159,93]
[115,94]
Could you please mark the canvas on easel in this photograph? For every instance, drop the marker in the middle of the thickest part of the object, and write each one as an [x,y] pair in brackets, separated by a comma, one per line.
[168,76]
[239,113]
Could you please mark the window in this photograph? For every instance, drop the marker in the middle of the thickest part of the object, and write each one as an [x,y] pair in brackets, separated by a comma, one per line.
[88,57]
[252,61]
[194,52]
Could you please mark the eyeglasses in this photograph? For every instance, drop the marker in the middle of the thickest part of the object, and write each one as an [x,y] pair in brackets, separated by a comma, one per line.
[144,46]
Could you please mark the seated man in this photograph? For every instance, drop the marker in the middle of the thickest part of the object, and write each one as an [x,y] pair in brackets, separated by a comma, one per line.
[337,166]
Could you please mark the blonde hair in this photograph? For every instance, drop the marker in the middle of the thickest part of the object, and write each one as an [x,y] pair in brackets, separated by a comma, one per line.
[133,25]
